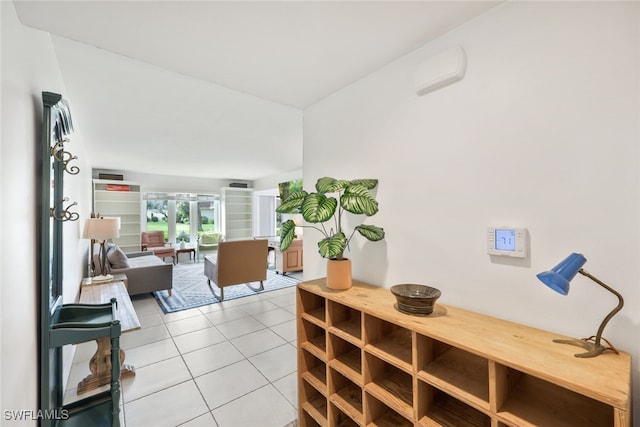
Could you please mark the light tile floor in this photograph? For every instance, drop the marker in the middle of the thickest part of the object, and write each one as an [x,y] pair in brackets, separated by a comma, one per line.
[231,364]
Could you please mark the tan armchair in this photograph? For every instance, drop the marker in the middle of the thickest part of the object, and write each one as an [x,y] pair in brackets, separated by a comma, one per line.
[154,241]
[237,262]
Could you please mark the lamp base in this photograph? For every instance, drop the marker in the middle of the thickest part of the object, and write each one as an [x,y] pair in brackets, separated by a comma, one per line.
[102,278]
[594,350]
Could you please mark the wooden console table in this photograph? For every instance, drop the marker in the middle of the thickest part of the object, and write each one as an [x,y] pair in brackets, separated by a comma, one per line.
[118,277]
[100,363]
[362,362]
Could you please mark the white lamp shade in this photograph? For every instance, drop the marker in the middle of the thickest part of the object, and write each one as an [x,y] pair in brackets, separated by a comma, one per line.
[117,218]
[101,228]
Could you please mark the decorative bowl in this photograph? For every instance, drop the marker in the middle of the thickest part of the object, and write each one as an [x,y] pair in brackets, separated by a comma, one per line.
[415,299]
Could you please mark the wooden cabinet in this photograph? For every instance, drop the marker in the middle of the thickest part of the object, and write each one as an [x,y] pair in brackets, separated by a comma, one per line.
[363,363]
[289,260]
[120,199]
[237,213]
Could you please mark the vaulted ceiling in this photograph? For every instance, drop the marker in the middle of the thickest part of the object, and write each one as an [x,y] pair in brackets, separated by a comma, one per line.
[218,88]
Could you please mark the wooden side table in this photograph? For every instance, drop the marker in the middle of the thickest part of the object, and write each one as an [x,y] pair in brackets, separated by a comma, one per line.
[100,363]
[188,250]
[289,260]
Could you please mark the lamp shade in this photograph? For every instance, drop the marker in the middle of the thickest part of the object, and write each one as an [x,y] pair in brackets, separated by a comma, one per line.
[101,228]
[558,277]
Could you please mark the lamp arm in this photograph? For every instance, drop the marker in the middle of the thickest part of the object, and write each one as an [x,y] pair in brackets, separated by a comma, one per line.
[613,312]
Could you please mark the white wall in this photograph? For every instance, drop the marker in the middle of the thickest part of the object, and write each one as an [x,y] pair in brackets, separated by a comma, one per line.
[542,133]
[29,67]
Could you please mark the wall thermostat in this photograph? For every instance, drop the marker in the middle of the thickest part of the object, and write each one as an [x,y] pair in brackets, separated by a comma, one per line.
[507,241]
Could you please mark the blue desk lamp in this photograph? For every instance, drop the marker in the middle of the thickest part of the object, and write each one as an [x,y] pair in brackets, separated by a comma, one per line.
[558,279]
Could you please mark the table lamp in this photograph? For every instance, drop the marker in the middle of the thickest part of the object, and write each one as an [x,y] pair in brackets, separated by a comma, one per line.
[101,230]
[558,279]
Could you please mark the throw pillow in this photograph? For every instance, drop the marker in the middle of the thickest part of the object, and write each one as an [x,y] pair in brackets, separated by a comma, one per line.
[117,258]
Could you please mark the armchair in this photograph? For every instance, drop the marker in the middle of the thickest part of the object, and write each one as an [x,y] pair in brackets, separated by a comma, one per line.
[208,242]
[154,241]
[237,262]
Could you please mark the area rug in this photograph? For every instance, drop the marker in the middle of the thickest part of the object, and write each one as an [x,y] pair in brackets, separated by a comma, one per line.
[190,288]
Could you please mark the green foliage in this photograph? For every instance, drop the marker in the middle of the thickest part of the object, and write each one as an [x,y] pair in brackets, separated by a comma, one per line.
[317,208]
[288,188]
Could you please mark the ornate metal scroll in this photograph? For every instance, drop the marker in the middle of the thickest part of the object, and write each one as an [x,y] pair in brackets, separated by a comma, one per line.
[64,157]
[60,213]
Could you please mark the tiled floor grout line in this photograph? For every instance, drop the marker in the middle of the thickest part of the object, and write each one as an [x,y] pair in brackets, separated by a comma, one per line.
[194,382]
[250,310]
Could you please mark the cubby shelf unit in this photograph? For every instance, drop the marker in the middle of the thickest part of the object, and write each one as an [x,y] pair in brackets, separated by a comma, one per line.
[363,363]
[120,199]
[237,213]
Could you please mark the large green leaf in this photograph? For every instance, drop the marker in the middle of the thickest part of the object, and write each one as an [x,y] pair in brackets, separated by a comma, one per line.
[369,184]
[287,234]
[318,207]
[330,185]
[332,246]
[371,232]
[293,202]
[357,199]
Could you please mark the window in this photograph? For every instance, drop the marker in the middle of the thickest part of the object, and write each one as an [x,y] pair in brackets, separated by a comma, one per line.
[182,216]
[208,213]
[158,213]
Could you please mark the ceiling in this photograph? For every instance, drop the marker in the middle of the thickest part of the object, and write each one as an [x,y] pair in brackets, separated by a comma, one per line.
[217,89]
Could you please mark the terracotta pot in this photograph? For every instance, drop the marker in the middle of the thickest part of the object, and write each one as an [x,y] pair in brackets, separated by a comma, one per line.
[339,274]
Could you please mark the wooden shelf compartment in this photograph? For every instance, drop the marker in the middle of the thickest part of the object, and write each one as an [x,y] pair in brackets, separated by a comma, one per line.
[388,341]
[345,358]
[314,371]
[389,384]
[312,338]
[437,408]
[345,395]
[454,371]
[306,420]
[315,404]
[340,419]
[531,401]
[345,322]
[381,415]
[311,307]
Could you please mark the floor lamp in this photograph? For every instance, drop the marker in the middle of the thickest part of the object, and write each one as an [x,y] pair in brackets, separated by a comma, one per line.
[101,230]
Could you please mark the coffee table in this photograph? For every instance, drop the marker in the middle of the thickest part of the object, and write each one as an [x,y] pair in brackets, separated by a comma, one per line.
[188,250]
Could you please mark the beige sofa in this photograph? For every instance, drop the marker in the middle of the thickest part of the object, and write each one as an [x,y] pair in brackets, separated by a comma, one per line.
[237,262]
[145,271]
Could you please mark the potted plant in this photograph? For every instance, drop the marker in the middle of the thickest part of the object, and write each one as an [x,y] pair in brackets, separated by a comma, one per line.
[182,237]
[320,207]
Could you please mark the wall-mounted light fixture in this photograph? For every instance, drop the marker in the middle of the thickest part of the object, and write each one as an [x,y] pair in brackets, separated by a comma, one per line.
[558,279]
